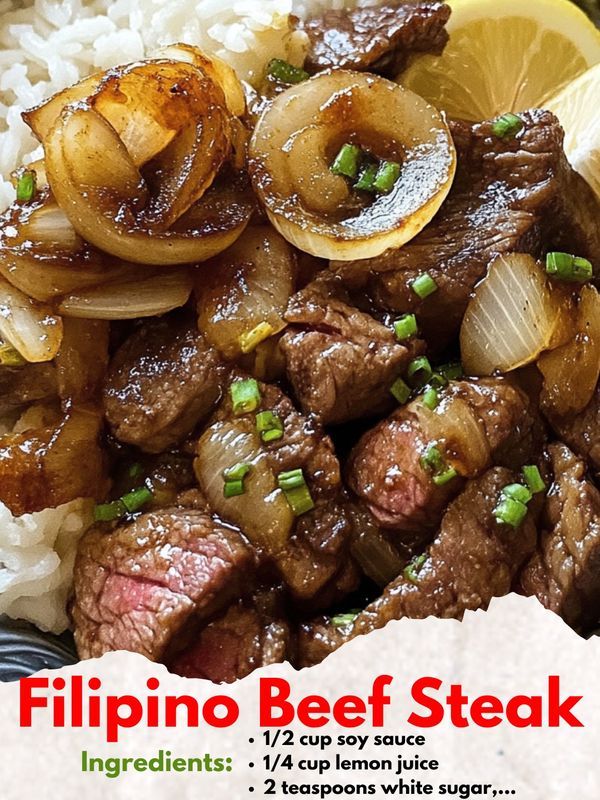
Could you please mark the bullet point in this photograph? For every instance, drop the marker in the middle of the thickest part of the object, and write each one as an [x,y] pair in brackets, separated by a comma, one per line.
[251,741]
[251,764]
[251,789]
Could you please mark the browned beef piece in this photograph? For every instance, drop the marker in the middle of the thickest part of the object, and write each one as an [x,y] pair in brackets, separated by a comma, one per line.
[385,468]
[473,559]
[20,386]
[162,381]
[340,361]
[510,195]
[564,573]
[234,645]
[582,431]
[310,553]
[146,586]
[376,39]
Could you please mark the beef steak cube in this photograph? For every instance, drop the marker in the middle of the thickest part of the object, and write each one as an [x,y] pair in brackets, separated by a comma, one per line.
[582,431]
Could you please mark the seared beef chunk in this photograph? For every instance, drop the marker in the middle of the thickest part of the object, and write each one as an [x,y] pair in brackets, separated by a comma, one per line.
[340,361]
[309,551]
[477,423]
[232,646]
[20,386]
[564,573]
[376,39]
[148,584]
[161,383]
[582,431]
[509,195]
[472,560]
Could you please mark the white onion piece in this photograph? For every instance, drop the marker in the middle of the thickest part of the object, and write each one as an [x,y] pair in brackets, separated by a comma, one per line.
[262,512]
[313,209]
[32,329]
[513,316]
[150,294]
[248,284]
[571,372]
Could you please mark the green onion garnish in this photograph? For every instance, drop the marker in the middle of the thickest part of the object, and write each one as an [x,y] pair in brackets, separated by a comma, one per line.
[343,620]
[236,473]
[387,175]
[431,398]
[432,459]
[405,327]
[137,498]
[507,125]
[419,371]
[452,371]
[517,492]
[347,161]
[233,488]
[269,425]
[400,390]
[412,569]
[9,357]
[366,180]
[445,477]
[569,268]
[533,479]
[26,185]
[108,512]
[438,381]
[291,480]
[245,396]
[285,72]
[424,285]
[510,511]
[250,340]
[135,471]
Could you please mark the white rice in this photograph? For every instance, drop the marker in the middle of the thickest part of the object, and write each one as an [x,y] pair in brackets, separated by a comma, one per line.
[37,553]
[46,45]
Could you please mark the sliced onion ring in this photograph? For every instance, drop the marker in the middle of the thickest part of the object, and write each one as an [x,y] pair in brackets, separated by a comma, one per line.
[513,316]
[298,137]
[32,329]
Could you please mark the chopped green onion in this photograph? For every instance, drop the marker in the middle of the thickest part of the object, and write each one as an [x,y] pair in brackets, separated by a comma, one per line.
[366,179]
[236,473]
[445,477]
[432,459]
[438,381]
[424,285]
[250,340]
[518,492]
[245,396]
[419,371]
[135,471]
[26,185]
[291,480]
[108,512]
[507,125]
[387,175]
[569,268]
[343,620]
[285,72]
[233,488]
[510,512]
[347,161]
[431,398]
[400,390]
[405,327]
[137,498]
[269,425]
[299,499]
[412,569]
[533,479]
[452,371]
[9,357]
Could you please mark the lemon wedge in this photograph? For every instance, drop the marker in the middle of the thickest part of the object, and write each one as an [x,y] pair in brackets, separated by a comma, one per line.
[505,55]
[577,107]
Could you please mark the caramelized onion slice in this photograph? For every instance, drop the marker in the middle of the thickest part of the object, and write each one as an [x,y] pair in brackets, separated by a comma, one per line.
[41,118]
[571,372]
[298,137]
[245,287]
[152,292]
[101,200]
[513,316]
[32,329]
